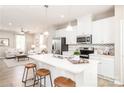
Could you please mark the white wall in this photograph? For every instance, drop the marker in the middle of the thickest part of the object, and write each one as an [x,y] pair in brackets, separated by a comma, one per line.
[37,41]
[119,65]
[47,39]
[29,40]
[11,37]
[51,35]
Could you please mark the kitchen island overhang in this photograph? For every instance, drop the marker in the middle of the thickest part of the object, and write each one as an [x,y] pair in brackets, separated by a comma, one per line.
[82,74]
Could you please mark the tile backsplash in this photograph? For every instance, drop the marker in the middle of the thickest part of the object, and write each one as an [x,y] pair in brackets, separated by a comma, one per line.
[104,49]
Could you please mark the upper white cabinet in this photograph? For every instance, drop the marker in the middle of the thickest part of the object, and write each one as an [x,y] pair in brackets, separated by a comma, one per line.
[60,33]
[103,31]
[70,35]
[84,25]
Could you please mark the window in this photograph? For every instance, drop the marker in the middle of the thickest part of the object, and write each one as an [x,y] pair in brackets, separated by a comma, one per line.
[20,42]
[41,39]
[42,46]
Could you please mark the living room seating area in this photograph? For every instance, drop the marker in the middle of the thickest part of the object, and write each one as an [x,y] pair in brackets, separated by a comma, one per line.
[10,53]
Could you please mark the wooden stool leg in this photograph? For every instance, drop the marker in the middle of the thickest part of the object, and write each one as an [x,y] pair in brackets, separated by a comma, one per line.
[51,80]
[23,75]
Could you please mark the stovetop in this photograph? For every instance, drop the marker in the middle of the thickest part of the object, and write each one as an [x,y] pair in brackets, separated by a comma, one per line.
[84,53]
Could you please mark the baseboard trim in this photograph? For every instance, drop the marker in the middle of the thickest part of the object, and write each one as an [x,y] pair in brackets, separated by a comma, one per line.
[118,82]
[110,79]
[106,78]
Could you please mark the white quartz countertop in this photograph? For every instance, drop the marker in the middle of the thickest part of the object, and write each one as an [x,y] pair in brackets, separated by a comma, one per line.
[62,63]
[103,56]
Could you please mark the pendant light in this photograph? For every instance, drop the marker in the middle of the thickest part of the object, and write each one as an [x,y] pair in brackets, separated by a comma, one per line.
[69,27]
[46,33]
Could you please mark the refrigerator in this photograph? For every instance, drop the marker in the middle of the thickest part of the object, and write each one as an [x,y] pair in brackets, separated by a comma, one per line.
[59,45]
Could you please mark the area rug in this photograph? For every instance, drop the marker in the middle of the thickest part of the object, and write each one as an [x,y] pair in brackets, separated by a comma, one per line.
[13,62]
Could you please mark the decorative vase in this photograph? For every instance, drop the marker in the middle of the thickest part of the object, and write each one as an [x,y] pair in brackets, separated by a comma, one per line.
[76,57]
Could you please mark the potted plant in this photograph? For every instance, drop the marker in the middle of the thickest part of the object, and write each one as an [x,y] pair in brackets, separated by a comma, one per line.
[76,55]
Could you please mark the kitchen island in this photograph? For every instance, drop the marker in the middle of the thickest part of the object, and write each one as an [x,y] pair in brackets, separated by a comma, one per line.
[83,74]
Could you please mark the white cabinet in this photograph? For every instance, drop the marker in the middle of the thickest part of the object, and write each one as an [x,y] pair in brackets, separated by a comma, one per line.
[99,66]
[84,25]
[60,33]
[97,36]
[71,36]
[107,68]
[105,65]
[103,31]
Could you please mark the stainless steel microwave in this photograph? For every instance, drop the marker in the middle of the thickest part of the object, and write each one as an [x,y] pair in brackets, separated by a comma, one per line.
[86,39]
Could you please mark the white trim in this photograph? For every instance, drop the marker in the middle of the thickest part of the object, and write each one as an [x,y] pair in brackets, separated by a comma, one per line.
[121,52]
[106,78]
[118,82]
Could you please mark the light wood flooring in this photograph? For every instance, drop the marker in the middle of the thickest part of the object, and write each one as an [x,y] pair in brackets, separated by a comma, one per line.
[12,77]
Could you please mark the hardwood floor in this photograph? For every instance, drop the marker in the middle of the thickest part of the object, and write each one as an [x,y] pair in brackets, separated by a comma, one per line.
[106,83]
[12,77]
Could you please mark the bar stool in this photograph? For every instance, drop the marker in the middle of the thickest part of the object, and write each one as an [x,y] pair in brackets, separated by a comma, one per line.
[41,74]
[64,82]
[26,69]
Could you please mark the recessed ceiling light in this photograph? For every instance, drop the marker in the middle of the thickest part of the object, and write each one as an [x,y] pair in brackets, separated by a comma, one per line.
[9,23]
[46,33]
[62,16]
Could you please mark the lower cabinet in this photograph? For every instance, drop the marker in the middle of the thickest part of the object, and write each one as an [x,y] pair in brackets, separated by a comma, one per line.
[105,67]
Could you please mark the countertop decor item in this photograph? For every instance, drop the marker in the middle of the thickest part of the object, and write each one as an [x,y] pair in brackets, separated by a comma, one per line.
[76,55]
[81,61]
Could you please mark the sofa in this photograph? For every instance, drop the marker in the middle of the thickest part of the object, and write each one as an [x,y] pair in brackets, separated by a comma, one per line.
[10,53]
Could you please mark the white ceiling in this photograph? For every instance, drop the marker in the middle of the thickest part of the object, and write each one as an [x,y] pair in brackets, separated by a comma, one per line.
[32,18]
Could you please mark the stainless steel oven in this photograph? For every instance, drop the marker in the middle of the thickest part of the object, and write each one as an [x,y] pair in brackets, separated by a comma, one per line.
[86,39]
[85,51]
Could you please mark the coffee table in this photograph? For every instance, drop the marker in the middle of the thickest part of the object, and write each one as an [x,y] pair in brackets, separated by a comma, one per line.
[22,56]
